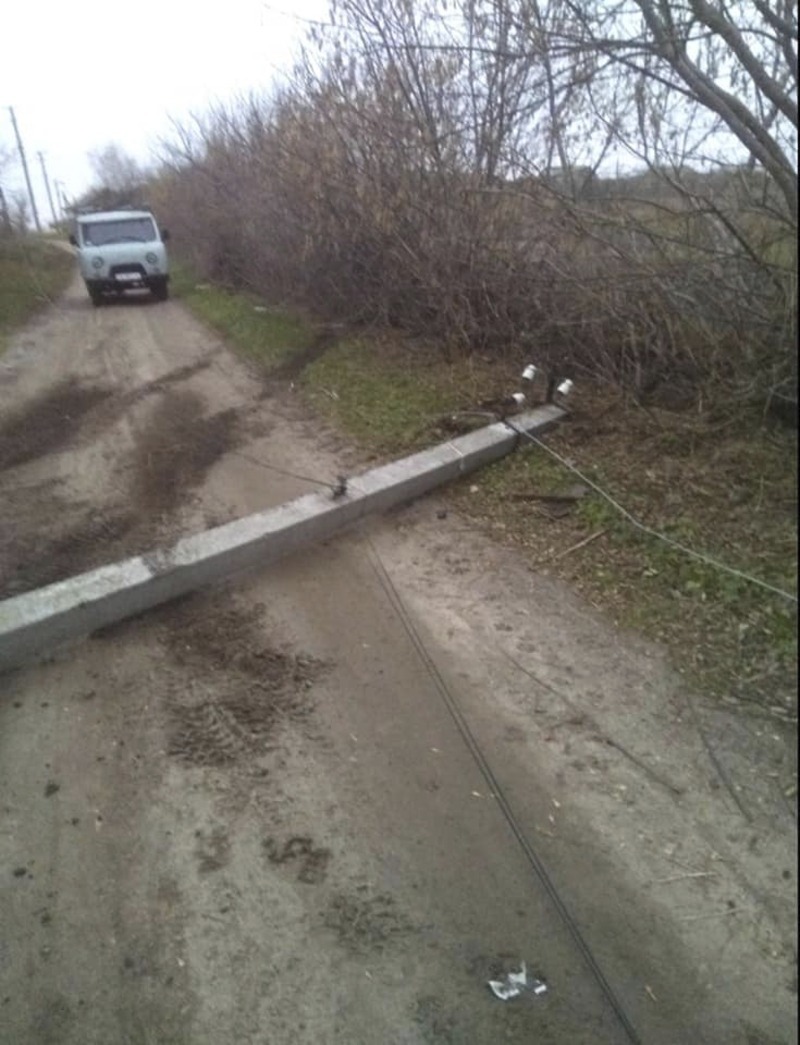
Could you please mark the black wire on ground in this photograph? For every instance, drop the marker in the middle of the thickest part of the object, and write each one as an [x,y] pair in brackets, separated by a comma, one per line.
[496,789]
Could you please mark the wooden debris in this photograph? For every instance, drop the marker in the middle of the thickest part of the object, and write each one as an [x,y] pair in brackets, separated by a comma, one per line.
[581,544]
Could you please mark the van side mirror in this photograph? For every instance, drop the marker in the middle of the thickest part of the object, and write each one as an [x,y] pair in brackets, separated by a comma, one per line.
[72,239]
[164,235]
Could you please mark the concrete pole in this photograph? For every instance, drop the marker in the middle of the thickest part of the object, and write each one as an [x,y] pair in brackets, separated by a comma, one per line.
[47,186]
[25,169]
[39,620]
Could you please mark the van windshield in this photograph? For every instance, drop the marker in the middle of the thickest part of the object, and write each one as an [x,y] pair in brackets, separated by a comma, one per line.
[126,230]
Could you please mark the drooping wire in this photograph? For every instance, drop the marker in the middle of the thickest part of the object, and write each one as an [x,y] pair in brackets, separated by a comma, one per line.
[644,528]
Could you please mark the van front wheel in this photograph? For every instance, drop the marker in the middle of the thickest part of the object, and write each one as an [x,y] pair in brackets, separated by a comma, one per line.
[160,289]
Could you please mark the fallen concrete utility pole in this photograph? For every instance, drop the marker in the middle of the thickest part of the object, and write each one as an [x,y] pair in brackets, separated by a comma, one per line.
[40,620]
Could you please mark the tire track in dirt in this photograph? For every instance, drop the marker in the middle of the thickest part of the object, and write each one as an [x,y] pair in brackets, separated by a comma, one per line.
[48,423]
[178,446]
[247,689]
[57,417]
[82,539]
[177,449]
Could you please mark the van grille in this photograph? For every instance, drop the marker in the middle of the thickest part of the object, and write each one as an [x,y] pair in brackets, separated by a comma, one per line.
[138,269]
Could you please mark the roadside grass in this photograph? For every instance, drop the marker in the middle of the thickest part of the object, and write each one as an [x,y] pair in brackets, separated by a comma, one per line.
[734,501]
[724,487]
[270,336]
[32,272]
[390,396]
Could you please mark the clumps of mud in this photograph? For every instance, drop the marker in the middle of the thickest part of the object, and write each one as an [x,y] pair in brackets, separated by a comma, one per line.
[363,922]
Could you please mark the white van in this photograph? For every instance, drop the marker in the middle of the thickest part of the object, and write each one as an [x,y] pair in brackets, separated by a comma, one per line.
[121,250]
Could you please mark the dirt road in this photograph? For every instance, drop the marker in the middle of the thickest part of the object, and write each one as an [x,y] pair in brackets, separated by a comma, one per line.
[315,807]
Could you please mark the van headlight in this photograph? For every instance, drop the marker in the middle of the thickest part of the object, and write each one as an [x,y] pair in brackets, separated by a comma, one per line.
[151,258]
[97,263]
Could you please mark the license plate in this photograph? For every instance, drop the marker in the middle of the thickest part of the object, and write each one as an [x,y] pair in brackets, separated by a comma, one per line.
[128,277]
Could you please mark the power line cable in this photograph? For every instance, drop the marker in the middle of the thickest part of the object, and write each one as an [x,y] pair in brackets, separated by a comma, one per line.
[701,556]
[497,791]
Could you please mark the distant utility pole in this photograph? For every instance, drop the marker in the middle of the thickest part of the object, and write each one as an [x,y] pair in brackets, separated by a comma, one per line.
[5,217]
[25,169]
[61,194]
[60,197]
[47,186]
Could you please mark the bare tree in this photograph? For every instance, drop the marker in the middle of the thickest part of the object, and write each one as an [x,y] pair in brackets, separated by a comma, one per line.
[20,212]
[719,78]
[6,159]
[120,180]
[451,175]
[115,169]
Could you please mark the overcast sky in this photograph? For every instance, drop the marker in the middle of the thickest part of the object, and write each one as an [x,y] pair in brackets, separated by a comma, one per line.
[78,79]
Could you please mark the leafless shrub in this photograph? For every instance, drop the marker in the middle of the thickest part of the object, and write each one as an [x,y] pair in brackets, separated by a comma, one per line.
[449,172]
